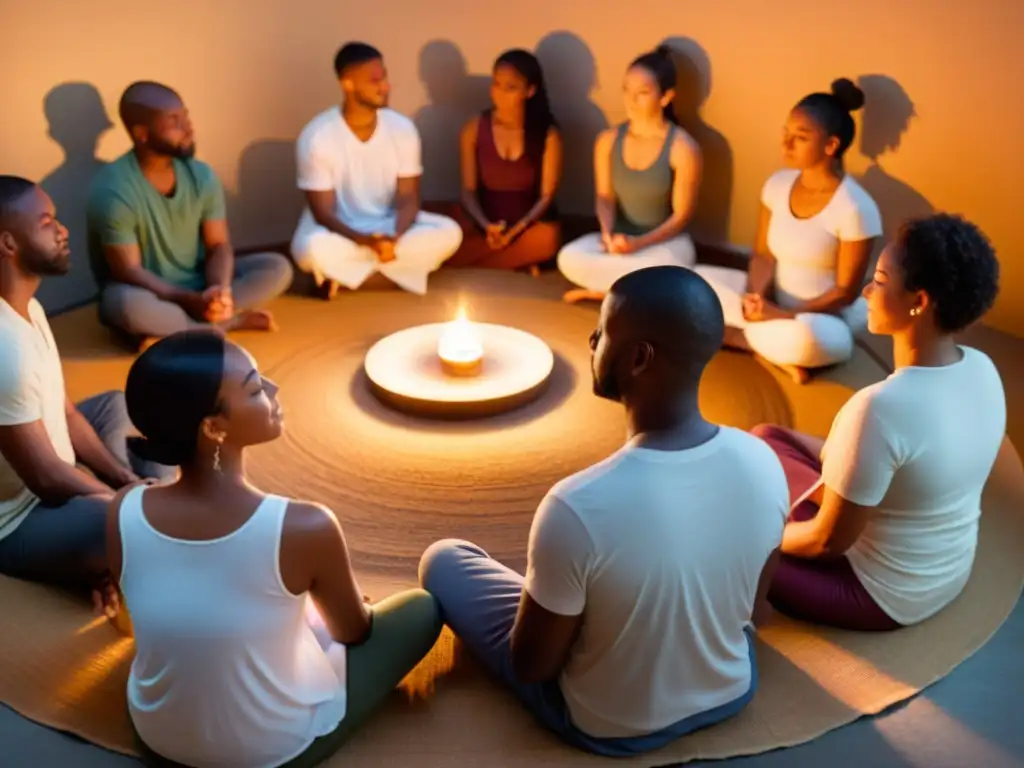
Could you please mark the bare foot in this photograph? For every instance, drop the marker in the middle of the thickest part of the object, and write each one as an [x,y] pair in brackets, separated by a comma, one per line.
[796,373]
[581,294]
[534,270]
[147,342]
[253,320]
[327,289]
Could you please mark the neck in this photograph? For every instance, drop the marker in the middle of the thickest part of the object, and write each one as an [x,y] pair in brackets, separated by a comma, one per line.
[925,349]
[821,177]
[672,425]
[510,118]
[357,115]
[201,478]
[151,162]
[653,126]
[17,288]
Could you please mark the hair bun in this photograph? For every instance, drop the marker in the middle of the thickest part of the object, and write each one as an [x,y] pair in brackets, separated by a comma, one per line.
[158,453]
[849,96]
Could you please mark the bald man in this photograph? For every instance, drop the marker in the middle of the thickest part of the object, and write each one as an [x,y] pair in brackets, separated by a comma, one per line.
[158,233]
[633,624]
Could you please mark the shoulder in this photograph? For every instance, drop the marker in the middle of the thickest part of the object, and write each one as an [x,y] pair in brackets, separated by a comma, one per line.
[777,186]
[114,177]
[983,368]
[310,518]
[397,123]
[202,172]
[606,138]
[683,144]
[324,123]
[752,453]
[857,199]
[35,309]
[586,488]
[471,128]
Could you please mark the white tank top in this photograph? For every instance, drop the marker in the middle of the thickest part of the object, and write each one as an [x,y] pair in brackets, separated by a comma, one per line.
[227,670]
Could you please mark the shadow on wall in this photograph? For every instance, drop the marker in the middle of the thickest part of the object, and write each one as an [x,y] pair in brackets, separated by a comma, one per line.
[455,96]
[888,112]
[710,223]
[77,119]
[265,207]
[570,71]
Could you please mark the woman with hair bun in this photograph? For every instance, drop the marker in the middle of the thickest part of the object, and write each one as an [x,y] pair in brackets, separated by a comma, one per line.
[798,305]
[647,173]
[254,643]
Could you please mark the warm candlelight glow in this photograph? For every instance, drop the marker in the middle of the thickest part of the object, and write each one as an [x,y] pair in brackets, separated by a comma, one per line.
[460,347]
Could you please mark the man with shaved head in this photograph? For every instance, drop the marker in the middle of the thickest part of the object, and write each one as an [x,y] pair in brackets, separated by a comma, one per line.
[158,234]
[52,514]
[633,624]
[359,167]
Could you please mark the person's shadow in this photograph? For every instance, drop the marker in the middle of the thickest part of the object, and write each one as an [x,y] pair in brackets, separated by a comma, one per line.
[710,222]
[77,119]
[455,96]
[888,112]
[267,202]
[570,71]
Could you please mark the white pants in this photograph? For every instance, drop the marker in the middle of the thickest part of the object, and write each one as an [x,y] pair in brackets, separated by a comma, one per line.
[585,263]
[430,241]
[811,340]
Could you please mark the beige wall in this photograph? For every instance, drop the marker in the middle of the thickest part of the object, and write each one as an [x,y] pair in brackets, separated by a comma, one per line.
[941,130]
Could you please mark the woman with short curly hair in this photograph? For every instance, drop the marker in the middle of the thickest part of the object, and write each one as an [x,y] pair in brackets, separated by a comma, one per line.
[884,523]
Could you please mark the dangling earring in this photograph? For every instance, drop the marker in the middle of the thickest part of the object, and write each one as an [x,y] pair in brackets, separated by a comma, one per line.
[216,455]
[915,311]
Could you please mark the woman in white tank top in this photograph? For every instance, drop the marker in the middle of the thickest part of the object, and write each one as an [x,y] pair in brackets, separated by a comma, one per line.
[254,644]
[798,304]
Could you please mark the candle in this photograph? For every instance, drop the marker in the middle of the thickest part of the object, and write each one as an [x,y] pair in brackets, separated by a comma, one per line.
[460,349]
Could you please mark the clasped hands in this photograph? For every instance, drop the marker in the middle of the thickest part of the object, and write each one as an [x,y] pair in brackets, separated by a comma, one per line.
[618,244]
[213,305]
[499,235]
[757,309]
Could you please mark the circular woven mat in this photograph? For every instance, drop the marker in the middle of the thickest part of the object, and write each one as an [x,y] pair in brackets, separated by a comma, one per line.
[399,483]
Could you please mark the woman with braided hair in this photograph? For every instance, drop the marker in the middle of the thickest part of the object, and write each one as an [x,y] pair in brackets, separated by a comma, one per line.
[884,520]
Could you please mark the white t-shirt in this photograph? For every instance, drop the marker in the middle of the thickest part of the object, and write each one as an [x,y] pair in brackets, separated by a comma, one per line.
[918,447]
[31,388]
[363,175]
[806,251]
[661,551]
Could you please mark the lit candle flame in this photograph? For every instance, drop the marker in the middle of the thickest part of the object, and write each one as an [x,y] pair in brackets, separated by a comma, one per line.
[460,342]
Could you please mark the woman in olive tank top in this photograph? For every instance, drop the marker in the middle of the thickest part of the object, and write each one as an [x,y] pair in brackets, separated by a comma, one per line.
[511,158]
[647,173]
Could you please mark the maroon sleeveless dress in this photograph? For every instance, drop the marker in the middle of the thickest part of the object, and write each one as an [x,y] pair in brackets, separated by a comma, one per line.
[507,190]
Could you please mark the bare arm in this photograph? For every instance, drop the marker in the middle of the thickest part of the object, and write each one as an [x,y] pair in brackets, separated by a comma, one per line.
[541,641]
[686,162]
[220,256]
[761,271]
[407,204]
[322,204]
[314,558]
[551,176]
[469,197]
[91,451]
[27,448]
[125,262]
[605,202]
[852,266]
[830,533]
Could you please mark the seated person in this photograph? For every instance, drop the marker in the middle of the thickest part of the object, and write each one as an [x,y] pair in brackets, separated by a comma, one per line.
[511,167]
[360,169]
[647,174]
[51,512]
[158,233]
[255,645]
[885,520]
[797,306]
[633,624]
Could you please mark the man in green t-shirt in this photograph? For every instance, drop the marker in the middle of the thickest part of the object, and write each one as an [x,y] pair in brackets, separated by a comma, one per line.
[159,245]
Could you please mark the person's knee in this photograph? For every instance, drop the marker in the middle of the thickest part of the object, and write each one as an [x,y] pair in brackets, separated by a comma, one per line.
[427,612]
[767,431]
[439,560]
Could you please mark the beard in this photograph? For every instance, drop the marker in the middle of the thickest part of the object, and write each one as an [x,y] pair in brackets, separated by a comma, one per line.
[179,151]
[605,385]
[46,264]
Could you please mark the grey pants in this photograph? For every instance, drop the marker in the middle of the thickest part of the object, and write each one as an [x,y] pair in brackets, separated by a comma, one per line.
[66,545]
[259,277]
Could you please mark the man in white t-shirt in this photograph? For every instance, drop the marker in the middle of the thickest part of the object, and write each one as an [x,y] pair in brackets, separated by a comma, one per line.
[633,624]
[52,514]
[359,166]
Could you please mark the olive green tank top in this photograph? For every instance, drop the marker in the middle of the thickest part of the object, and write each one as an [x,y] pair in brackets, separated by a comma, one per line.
[643,197]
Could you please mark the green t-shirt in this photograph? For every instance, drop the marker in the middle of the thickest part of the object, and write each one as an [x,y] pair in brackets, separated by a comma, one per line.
[125,209]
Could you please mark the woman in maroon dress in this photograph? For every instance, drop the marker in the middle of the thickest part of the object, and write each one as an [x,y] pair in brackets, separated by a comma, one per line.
[511,166]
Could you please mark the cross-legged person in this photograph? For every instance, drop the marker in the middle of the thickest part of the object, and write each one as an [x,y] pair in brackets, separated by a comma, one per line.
[884,527]
[254,644]
[51,511]
[158,234]
[632,626]
[647,174]
[359,166]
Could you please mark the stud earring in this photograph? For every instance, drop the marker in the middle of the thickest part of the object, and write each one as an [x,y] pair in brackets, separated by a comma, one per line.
[915,311]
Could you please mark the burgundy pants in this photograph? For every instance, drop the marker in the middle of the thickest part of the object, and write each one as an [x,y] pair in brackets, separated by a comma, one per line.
[818,591]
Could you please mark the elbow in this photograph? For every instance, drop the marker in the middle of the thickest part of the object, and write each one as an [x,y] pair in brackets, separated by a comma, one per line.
[49,492]
[359,632]
[528,667]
